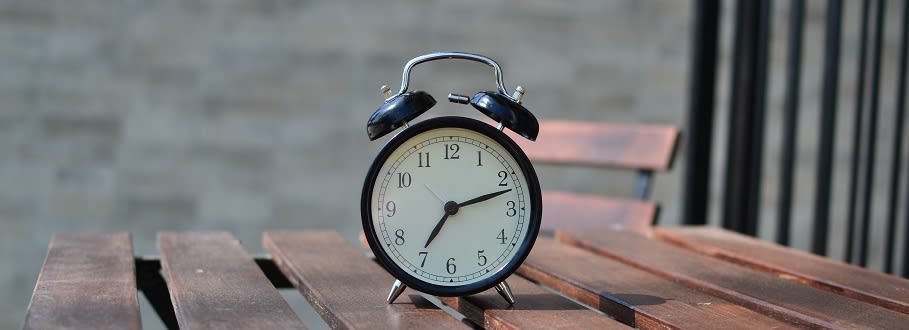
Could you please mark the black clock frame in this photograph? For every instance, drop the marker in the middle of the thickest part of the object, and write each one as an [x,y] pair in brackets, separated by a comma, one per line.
[499,137]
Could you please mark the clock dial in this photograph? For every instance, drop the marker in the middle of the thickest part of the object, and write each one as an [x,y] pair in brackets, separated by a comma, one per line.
[452,207]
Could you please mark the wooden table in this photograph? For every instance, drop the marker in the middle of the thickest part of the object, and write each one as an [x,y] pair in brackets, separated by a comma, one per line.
[690,277]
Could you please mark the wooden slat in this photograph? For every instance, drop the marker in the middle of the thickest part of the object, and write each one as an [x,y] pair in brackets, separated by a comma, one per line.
[214,283]
[648,147]
[638,298]
[856,282]
[568,210]
[757,290]
[535,308]
[88,281]
[346,288]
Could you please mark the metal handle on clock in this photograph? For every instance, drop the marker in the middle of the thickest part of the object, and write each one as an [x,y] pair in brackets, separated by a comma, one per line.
[405,79]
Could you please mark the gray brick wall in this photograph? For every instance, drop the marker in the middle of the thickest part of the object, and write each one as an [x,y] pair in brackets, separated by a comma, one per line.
[148,115]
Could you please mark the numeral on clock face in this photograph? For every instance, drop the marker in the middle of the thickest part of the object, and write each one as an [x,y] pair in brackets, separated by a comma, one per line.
[510,211]
[399,237]
[404,180]
[423,262]
[454,148]
[420,158]
[391,208]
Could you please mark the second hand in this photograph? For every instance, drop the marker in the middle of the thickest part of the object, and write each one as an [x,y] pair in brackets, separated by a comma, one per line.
[434,193]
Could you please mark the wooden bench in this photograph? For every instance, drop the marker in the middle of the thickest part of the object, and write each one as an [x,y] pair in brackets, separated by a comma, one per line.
[645,149]
[593,279]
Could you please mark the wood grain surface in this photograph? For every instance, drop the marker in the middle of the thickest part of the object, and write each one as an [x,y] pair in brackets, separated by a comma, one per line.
[760,291]
[534,308]
[568,210]
[214,283]
[649,147]
[633,296]
[874,287]
[88,281]
[348,289]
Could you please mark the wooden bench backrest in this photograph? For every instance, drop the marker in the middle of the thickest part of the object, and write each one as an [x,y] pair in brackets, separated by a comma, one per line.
[637,147]
[643,148]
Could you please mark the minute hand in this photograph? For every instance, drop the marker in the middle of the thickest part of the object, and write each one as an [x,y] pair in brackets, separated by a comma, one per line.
[483,198]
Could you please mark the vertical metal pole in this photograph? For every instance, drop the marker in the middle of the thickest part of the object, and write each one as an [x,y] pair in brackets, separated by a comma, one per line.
[897,152]
[872,130]
[745,149]
[791,107]
[699,129]
[731,186]
[857,133]
[762,69]
[828,123]
[901,105]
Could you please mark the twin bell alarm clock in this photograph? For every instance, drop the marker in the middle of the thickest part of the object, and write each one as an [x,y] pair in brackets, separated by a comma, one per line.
[451,205]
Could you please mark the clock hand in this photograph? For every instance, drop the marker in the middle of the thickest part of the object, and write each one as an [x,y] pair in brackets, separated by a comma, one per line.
[435,231]
[451,208]
[483,198]
[434,193]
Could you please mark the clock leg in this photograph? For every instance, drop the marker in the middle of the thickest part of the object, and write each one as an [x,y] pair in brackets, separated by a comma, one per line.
[505,291]
[396,290]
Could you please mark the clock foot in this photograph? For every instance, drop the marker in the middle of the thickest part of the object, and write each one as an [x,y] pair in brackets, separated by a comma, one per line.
[505,291]
[396,290]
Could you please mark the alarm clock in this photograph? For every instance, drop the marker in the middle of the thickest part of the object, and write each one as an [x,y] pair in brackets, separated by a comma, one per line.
[451,205]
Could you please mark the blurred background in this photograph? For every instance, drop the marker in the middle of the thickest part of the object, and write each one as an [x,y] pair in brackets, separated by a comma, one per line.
[246,116]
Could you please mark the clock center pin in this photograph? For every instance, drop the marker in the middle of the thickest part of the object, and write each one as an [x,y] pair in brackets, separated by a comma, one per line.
[451,208]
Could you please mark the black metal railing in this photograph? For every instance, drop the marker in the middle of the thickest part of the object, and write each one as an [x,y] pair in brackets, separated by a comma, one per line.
[826,137]
[746,139]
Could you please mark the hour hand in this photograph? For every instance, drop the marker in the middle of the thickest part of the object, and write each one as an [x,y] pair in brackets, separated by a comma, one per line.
[450,208]
[435,231]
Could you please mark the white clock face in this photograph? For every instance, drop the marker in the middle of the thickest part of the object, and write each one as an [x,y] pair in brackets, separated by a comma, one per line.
[483,225]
